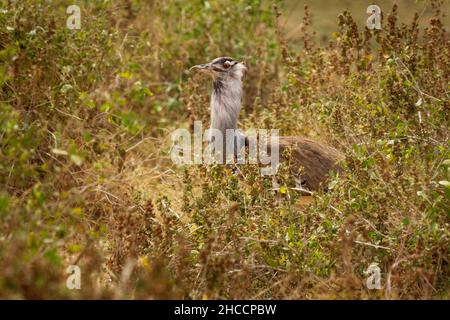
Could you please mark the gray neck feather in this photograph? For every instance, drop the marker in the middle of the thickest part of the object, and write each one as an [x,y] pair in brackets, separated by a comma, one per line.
[226,103]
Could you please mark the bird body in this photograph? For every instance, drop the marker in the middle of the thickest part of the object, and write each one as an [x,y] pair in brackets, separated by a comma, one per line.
[316,159]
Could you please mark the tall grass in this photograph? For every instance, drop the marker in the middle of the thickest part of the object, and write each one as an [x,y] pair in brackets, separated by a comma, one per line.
[86,177]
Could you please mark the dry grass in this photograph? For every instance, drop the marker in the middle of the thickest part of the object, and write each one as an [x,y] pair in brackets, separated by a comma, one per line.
[86,177]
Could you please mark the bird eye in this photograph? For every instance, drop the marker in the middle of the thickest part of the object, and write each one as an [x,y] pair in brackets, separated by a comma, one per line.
[227,64]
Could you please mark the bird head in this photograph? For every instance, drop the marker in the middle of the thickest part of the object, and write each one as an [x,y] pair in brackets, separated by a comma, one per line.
[222,68]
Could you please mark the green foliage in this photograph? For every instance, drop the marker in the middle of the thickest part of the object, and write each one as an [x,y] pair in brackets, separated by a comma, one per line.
[85,176]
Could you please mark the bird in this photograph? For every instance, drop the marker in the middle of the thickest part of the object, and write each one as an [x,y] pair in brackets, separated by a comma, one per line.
[316,160]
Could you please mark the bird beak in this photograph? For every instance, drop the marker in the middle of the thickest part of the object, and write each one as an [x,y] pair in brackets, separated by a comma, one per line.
[201,67]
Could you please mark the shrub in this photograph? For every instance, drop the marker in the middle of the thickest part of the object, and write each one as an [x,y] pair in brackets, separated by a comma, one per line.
[85,123]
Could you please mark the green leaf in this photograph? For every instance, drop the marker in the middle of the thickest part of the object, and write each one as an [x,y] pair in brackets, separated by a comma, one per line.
[4,204]
[53,257]
[65,88]
[405,221]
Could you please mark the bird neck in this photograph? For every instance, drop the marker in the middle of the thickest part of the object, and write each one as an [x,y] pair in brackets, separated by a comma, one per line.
[226,103]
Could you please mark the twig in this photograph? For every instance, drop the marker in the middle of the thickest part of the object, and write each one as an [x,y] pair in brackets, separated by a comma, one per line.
[302,190]
[68,114]
[372,245]
[109,194]
[259,240]
[137,144]
[416,85]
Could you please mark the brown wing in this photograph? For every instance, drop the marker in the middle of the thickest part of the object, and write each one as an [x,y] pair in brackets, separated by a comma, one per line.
[316,159]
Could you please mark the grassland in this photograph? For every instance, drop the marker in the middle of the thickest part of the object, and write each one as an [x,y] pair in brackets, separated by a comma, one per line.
[86,177]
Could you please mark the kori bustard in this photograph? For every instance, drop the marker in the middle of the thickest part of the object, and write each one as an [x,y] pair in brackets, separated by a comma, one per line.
[317,160]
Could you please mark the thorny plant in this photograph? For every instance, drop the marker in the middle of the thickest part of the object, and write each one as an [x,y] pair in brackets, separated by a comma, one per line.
[85,121]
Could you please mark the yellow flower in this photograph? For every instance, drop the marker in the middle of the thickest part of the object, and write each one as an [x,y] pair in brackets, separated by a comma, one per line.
[143,262]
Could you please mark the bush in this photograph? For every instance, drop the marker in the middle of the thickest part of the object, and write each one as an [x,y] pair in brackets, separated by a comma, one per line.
[86,177]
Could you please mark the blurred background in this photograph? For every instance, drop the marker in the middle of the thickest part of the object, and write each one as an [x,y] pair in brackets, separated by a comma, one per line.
[325,12]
